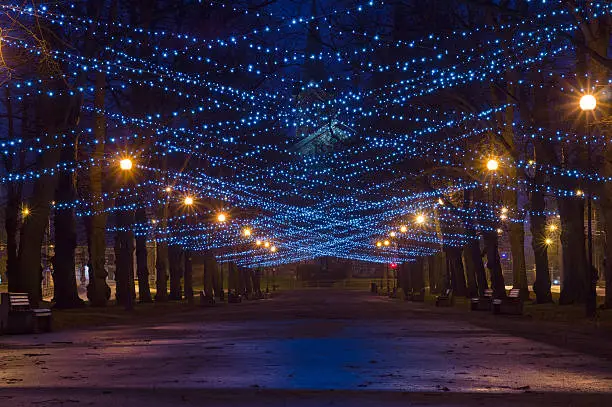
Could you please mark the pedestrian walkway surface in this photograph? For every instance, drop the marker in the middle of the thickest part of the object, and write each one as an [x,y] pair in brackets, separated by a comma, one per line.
[303,348]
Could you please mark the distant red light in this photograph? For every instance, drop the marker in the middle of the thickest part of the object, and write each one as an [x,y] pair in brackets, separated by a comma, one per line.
[393,265]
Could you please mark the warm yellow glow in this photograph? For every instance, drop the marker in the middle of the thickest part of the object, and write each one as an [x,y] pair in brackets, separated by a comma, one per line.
[420,219]
[579,192]
[221,217]
[246,232]
[503,216]
[500,231]
[387,243]
[258,242]
[548,241]
[266,244]
[504,210]
[25,211]
[392,234]
[168,189]
[403,229]
[440,201]
[126,164]
[378,244]
[552,228]
[154,221]
[492,164]
[188,201]
[588,102]
[273,249]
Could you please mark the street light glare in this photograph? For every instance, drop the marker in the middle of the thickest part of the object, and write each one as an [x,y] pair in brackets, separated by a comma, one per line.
[492,164]
[273,249]
[552,228]
[420,219]
[126,164]
[221,217]
[387,243]
[378,244]
[246,232]
[258,242]
[403,229]
[588,103]
[25,211]
[392,234]
[548,241]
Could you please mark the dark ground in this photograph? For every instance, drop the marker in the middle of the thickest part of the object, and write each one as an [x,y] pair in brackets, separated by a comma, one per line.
[312,348]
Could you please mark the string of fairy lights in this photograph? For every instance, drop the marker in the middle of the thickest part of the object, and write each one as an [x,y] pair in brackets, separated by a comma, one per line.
[369,161]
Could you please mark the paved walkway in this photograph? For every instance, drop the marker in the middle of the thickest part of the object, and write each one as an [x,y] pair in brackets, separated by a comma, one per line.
[304,348]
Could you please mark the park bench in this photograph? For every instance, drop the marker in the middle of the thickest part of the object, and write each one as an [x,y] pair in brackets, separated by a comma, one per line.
[17,316]
[511,305]
[418,296]
[206,301]
[483,303]
[234,298]
[445,299]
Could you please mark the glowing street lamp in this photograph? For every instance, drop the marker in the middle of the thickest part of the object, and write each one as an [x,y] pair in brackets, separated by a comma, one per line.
[492,164]
[588,103]
[387,243]
[273,249]
[168,189]
[266,244]
[25,211]
[420,219]
[392,234]
[258,242]
[548,241]
[221,217]
[379,244]
[504,210]
[440,202]
[403,229]
[246,232]
[552,228]
[188,201]
[126,164]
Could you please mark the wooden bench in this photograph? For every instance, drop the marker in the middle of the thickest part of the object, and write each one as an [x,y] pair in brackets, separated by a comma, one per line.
[17,316]
[445,299]
[417,296]
[483,303]
[234,298]
[511,305]
[206,301]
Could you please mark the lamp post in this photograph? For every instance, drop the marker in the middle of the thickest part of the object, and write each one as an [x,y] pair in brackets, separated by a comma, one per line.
[125,240]
[587,105]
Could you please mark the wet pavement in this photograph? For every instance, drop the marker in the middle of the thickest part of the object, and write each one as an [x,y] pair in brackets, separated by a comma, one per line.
[303,348]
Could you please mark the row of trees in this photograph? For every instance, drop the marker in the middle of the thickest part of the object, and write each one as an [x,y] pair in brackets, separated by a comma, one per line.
[132,80]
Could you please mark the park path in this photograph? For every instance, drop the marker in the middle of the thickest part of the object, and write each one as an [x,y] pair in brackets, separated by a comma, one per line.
[303,348]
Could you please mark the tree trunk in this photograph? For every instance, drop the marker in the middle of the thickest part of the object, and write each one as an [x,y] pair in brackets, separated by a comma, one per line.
[188,277]
[541,286]
[456,273]
[476,277]
[404,277]
[13,193]
[64,278]
[98,292]
[517,248]
[176,272]
[574,287]
[494,265]
[432,273]
[416,275]
[142,267]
